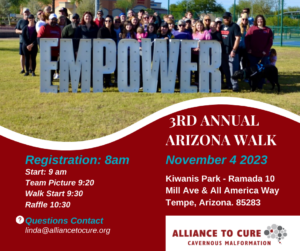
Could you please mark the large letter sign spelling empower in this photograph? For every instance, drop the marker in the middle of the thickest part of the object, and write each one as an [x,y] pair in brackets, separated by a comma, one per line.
[158,61]
[128,63]
[76,68]
[187,66]
[210,62]
[99,68]
[162,62]
[47,65]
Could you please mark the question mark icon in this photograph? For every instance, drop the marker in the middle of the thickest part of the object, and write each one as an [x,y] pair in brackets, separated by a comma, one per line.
[20,219]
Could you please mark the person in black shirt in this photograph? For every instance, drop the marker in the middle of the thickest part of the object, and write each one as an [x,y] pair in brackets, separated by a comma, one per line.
[87,29]
[215,35]
[29,46]
[188,26]
[231,35]
[19,27]
[107,32]
[218,21]
[64,12]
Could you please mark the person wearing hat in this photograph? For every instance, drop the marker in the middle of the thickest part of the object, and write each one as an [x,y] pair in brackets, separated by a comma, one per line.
[231,35]
[51,30]
[250,19]
[218,22]
[64,12]
[122,17]
[69,30]
[99,20]
[29,45]
[19,27]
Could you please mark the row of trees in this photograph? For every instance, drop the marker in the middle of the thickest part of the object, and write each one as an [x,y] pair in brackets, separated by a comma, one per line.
[197,6]
[13,6]
[264,7]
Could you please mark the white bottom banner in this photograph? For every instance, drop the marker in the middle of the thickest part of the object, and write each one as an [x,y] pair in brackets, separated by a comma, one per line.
[232,233]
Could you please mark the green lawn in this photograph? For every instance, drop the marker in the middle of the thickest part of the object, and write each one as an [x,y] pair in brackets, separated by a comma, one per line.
[77,117]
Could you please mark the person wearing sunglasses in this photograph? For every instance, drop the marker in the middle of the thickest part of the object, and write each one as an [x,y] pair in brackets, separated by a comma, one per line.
[38,15]
[42,20]
[145,22]
[118,27]
[99,21]
[250,19]
[107,31]
[181,32]
[206,22]
[244,26]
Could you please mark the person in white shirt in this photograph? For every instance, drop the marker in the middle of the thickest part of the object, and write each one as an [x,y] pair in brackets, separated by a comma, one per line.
[40,23]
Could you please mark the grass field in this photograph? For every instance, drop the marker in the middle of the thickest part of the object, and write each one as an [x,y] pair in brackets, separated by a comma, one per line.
[78,117]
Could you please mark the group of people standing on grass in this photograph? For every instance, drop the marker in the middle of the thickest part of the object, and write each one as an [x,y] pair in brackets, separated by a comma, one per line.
[244,43]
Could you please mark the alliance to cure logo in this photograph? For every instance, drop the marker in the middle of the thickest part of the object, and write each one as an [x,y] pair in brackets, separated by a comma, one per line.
[276,231]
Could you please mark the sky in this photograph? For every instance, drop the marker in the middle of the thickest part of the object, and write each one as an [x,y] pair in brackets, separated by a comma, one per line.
[227,3]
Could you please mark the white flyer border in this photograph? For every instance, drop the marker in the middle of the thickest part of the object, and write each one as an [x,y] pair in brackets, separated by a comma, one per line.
[80,145]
